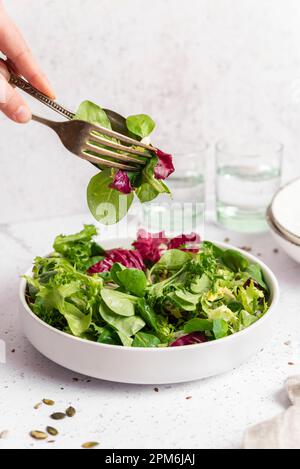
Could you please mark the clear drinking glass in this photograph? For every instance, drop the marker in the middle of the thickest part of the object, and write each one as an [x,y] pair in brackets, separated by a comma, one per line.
[183,212]
[247,176]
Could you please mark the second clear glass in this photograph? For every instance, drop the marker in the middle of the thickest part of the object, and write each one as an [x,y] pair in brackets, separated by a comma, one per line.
[247,176]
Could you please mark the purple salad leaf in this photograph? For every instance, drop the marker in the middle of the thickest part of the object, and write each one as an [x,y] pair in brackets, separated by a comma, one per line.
[164,167]
[128,258]
[151,246]
[184,242]
[189,339]
[121,183]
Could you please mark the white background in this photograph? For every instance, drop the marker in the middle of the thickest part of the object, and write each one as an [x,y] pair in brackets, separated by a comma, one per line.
[203,69]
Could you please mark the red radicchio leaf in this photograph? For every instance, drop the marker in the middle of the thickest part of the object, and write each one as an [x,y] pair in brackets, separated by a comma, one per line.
[189,339]
[128,258]
[184,242]
[151,246]
[164,167]
[121,183]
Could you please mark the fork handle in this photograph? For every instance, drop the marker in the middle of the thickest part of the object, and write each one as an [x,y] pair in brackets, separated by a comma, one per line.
[15,80]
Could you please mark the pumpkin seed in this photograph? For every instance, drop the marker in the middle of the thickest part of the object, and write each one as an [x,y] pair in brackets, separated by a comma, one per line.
[71,412]
[38,406]
[52,431]
[37,435]
[90,444]
[58,416]
[48,402]
[4,434]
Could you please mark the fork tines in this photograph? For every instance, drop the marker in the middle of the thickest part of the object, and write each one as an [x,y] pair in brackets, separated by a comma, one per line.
[103,162]
[123,138]
[130,159]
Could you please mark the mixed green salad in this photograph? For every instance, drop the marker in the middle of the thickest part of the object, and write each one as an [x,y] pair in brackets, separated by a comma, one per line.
[111,192]
[162,292]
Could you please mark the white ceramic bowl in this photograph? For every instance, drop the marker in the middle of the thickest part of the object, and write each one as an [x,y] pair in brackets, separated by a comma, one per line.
[285,210]
[283,217]
[153,365]
[290,247]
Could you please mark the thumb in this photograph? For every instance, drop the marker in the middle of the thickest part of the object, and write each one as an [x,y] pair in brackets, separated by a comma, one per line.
[11,103]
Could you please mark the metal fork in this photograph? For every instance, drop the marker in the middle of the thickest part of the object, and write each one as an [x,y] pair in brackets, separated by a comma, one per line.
[83,139]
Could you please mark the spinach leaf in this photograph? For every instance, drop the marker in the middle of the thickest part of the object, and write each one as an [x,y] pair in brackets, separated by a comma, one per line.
[119,302]
[128,326]
[180,303]
[147,314]
[220,328]
[198,325]
[109,336]
[141,125]
[234,260]
[92,113]
[142,339]
[187,297]
[107,205]
[235,306]
[133,280]
[256,274]
[173,259]
[116,268]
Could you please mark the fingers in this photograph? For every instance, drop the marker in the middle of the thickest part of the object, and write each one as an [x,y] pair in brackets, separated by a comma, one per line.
[14,47]
[11,103]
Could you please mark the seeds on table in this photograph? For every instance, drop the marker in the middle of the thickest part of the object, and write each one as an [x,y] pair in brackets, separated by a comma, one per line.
[58,416]
[90,445]
[38,435]
[52,431]
[71,412]
[48,402]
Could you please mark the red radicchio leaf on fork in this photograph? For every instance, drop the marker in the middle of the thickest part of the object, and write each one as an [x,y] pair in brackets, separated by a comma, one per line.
[128,258]
[164,167]
[189,339]
[151,246]
[121,183]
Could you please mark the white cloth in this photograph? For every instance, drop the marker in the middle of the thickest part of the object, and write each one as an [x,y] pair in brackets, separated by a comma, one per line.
[283,431]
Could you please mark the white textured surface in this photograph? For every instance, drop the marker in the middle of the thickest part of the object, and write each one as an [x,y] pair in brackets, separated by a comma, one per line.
[202,68]
[126,416]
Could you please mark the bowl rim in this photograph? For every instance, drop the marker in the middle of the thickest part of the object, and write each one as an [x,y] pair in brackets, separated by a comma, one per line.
[276,229]
[285,233]
[272,283]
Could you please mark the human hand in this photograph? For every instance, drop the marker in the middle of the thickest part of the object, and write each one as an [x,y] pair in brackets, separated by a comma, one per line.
[21,60]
